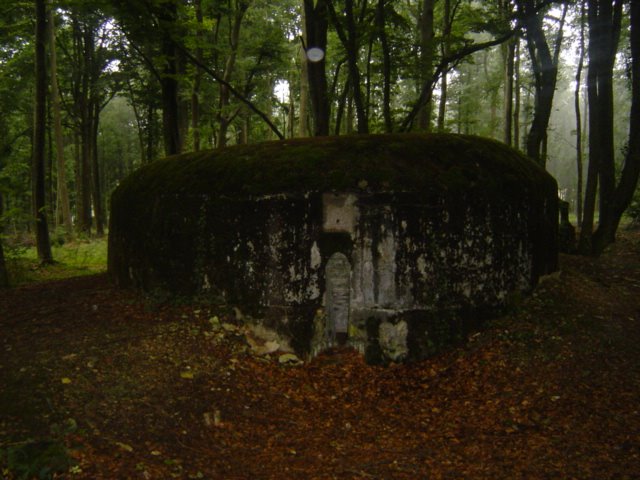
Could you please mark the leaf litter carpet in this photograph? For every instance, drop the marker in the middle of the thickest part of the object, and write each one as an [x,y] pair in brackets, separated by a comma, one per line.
[131,387]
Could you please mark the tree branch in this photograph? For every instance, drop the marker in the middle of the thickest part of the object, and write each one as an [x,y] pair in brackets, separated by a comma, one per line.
[233,91]
[148,61]
[443,66]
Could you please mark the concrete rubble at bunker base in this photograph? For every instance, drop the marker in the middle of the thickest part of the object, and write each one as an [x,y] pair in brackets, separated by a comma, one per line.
[396,245]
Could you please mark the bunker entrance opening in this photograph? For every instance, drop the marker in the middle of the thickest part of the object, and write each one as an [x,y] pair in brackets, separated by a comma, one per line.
[338,295]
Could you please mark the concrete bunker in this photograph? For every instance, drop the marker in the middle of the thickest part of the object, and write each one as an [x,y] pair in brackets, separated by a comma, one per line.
[397,245]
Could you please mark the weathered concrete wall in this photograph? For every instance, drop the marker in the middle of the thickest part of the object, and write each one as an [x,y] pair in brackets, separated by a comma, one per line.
[397,245]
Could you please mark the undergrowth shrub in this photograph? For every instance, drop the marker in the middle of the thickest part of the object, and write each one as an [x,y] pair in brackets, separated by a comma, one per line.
[41,460]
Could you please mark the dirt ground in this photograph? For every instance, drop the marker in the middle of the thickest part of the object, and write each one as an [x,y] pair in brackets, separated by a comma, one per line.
[100,383]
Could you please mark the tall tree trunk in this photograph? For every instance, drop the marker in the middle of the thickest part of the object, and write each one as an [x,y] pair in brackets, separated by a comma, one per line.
[631,170]
[151,135]
[197,80]
[614,199]
[493,97]
[170,108]
[4,275]
[427,49]
[83,51]
[545,68]
[95,171]
[349,39]
[38,164]
[291,114]
[442,107]
[77,162]
[225,117]
[446,32]
[516,96]
[508,53]
[317,24]
[604,99]
[303,123]
[386,67]
[350,116]
[342,102]
[591,185]
[169,82]
[63,192]
[603,40]
[139,123]
[579,167]
[459,114]
[245,129]
[368,75]
[84,207]
[50,199]
[184,103]
[508,91]
[596,49]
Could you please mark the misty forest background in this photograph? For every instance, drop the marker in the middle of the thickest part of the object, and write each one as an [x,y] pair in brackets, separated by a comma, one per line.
[90,90]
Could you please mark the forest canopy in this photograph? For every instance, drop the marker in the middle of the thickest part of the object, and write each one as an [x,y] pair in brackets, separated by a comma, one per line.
[90,90]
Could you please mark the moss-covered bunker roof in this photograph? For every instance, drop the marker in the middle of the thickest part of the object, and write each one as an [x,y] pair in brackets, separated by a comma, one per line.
[393,162]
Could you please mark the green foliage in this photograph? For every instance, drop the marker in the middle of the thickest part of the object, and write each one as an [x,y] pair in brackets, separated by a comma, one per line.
[41,460]
[89,255]
[118,142]
[16,72]
[71,259]
[268,56]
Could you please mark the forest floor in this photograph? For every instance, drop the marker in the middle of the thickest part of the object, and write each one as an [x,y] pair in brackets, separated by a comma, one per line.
[105,384]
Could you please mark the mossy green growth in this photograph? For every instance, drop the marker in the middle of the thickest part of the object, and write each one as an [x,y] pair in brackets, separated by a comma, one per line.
[435,163]
[71,259]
